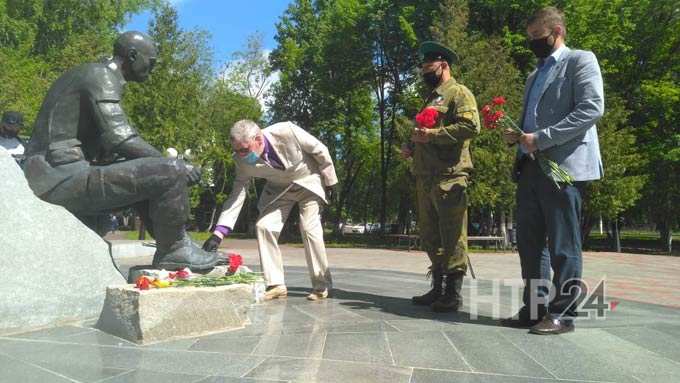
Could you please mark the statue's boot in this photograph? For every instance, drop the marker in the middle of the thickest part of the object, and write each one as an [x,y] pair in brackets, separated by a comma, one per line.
[168,214]
[182,253]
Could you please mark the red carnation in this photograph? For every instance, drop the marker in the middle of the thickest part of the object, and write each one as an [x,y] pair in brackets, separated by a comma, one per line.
[183,274]
[498,115]
[500,100]
[427,118]
[486,110]
[489,123]
[142,283]
[235,261]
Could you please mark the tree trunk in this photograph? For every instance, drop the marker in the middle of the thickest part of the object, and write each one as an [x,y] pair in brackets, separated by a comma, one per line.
[617,235]
[586,227]
[666,236]
[504,230]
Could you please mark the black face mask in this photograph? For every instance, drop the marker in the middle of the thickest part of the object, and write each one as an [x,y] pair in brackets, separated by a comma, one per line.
[432,79]
[541,48]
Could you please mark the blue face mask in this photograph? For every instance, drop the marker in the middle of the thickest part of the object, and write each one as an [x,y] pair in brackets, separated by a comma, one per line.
[251,158]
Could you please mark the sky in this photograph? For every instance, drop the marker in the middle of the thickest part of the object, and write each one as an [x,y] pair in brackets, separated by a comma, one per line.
[229,22]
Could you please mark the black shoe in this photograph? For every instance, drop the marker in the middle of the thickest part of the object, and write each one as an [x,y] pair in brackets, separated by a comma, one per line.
[518,322]
[451,300]
[185,253]
[551,325]
[429,297]
[523,318]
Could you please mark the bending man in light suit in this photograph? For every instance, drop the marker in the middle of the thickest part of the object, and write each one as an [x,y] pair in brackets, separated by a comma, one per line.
[563,100]
[299,170]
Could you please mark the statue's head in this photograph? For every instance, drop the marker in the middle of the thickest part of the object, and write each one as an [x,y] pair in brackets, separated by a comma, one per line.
[138,55]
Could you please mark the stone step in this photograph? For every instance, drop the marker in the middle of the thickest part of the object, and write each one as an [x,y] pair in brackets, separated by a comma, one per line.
[148,316]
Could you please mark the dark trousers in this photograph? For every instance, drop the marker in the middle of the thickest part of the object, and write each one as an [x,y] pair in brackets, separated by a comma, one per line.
[549,235]
[156,186]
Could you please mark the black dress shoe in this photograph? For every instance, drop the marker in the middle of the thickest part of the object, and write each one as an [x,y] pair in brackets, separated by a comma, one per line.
[518,322]
[551,325]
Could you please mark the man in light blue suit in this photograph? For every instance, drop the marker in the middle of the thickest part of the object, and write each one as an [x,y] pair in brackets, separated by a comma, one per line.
[563,100]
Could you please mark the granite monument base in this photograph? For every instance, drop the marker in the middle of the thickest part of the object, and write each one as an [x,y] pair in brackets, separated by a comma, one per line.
[54,269]
[148,316]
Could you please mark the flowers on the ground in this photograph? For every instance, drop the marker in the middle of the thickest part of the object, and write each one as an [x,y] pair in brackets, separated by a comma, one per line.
[183,278]
[185,273]
[494,115]
[143,283]
[160,283]
[235,260]
[427,118]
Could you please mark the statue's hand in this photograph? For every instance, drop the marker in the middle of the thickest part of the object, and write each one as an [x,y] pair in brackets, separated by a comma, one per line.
[212,243]
[193,174]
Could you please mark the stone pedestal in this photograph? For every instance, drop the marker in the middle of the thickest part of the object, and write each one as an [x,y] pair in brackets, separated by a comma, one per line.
[54,269]
[147,316]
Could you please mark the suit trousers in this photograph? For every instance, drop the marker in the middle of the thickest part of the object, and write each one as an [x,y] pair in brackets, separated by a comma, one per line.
[269,226]
[549,235]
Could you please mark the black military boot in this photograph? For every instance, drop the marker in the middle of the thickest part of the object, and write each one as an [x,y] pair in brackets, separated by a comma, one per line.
[181,253]
[434,294]
[451,300]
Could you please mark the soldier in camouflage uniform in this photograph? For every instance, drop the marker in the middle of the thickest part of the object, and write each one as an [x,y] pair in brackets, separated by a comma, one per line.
[442,165]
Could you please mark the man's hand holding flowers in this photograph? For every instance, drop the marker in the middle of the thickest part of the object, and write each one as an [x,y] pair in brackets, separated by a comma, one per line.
[528,142]
[426,120]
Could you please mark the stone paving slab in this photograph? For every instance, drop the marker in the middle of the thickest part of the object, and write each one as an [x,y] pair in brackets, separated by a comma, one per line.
[368,332]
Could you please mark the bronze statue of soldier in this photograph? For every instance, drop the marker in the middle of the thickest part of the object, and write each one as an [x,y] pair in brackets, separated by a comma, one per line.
[86,156]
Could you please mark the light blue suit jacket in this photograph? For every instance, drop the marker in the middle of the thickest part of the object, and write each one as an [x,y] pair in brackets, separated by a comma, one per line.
[571,102]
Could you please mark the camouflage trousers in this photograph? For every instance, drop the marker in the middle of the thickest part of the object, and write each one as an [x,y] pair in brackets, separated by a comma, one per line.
[442,219]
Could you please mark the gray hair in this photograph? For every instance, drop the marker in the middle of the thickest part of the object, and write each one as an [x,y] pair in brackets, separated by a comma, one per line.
[244,131]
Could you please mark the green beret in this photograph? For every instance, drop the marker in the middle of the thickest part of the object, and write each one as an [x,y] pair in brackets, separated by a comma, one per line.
[431,50]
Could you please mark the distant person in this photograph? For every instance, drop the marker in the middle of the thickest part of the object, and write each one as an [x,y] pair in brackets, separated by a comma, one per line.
[564,98]
[12,122]
[299,170]
[442,165]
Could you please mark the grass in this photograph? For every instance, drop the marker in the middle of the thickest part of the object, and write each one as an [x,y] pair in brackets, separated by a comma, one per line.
[632,241]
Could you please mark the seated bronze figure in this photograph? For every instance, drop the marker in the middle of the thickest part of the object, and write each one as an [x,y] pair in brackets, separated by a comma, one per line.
[85,155]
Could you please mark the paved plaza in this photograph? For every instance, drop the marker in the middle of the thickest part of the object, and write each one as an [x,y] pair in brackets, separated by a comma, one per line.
[370,332]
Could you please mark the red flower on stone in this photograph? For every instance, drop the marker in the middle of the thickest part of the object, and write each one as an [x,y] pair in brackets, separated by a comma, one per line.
[142,283]
[183,274]
[235,261]
[499,100]
[427,118]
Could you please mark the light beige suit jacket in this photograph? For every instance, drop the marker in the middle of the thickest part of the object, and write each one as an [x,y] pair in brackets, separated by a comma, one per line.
[307,163]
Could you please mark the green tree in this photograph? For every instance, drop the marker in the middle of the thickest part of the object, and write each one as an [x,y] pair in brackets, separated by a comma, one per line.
[623,162]
[637,44]
[169,108]
[39,40]
[487,69]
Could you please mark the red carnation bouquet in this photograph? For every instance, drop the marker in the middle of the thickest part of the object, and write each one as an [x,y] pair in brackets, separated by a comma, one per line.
[427,118]
[494,116]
